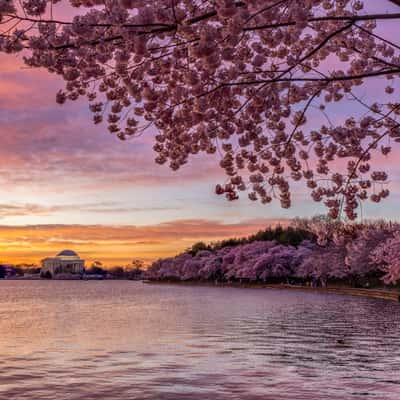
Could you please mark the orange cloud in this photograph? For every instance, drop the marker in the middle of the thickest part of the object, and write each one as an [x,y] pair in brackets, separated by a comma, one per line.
[118,244]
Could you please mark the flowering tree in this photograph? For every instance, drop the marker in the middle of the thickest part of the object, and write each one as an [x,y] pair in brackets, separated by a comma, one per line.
[212,268]
[279,263]
[387,254]
[322,263]
[170,268]
[244,260]
[241,78]
[360,258]
[348,253]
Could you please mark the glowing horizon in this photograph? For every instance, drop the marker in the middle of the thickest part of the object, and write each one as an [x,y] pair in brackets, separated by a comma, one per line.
[116,245]
[60,174]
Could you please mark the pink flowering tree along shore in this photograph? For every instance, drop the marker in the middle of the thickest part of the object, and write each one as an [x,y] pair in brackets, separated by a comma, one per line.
[351,254]
[259,82]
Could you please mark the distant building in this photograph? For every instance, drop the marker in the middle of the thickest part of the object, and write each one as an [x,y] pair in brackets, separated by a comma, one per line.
[67,261]
[7,270]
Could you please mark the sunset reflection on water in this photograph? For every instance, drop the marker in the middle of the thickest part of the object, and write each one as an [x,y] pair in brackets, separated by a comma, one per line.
[127,340]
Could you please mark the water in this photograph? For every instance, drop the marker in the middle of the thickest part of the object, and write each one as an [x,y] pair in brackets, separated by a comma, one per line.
[127,340]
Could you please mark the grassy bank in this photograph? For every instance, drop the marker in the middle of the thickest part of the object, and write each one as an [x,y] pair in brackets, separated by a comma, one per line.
[376,293]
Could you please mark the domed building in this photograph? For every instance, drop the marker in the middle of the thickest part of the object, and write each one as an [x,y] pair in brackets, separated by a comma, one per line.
[67,261]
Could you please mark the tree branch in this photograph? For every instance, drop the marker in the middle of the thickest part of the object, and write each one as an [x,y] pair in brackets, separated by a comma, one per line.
[350,18]
[328,79]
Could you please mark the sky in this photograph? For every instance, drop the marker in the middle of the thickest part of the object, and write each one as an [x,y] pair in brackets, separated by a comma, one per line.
[65,183]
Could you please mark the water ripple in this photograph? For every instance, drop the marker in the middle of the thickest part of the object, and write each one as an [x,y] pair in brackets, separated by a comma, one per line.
[125,340]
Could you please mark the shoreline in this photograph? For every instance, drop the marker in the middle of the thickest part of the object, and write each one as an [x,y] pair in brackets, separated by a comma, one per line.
[376,293]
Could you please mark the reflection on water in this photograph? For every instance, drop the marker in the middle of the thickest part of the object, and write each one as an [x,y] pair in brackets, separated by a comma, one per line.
[127,340]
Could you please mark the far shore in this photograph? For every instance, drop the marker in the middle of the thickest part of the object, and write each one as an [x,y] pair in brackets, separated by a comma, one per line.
[375,293]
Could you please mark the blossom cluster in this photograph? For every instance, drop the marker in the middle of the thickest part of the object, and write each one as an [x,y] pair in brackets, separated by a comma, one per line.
[243,79]
[351,253]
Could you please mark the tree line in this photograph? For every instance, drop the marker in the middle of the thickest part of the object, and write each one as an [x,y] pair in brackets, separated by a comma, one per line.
[317,252]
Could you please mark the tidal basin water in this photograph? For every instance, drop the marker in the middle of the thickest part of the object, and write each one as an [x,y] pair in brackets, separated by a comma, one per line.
[127,340]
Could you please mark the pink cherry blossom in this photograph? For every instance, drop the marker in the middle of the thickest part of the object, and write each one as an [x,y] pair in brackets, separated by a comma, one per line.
[247,79]
[387,255]
[347,253]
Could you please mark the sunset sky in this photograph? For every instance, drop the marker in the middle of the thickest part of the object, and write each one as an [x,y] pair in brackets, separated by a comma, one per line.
[65,183]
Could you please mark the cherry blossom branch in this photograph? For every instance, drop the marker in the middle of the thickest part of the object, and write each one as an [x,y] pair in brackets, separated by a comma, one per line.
[348,18]
[164,28]
[322,80]
[390,43]
[232,76]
